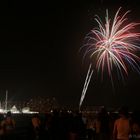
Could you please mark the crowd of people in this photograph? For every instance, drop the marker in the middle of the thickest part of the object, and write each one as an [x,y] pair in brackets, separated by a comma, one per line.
[63,125]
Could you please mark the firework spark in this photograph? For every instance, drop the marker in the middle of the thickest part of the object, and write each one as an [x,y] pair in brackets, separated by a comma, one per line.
[113,45]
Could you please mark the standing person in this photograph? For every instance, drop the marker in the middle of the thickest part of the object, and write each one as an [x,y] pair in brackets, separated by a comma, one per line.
[77,128]
[48,119]
[90,129]
[36,123]
[103,119]
[55,126]
[8,126]
[1,128]
[135,126]
[122,127]
[97,126]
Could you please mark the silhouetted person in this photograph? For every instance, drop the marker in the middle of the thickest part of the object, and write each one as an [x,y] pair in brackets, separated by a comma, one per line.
[135,126]
[1,127]
[47,127]
[103,119]
[55,130]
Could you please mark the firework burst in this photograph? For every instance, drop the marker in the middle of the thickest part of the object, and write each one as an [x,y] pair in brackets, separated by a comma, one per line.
[112,44]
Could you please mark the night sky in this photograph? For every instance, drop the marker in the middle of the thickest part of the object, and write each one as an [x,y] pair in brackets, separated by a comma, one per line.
[39,52]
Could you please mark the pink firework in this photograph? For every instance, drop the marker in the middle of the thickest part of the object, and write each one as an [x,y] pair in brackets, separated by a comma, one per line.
[112,44]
